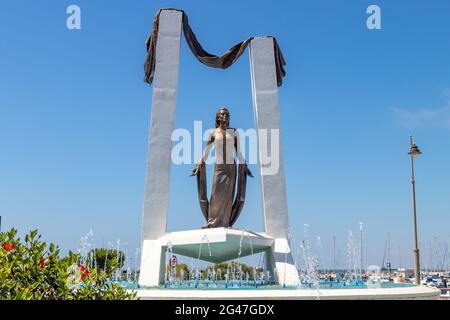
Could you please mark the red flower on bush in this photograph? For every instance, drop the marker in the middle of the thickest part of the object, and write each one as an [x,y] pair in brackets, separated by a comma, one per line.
[9,246]
[41,262]
[84,272]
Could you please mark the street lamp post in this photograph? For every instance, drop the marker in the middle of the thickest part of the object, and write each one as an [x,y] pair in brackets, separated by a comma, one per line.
[414,152]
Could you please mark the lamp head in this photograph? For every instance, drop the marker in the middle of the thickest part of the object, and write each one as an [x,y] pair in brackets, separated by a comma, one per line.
[414,151]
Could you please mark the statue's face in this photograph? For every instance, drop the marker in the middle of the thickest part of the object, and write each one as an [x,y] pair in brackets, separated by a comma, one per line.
[224,116]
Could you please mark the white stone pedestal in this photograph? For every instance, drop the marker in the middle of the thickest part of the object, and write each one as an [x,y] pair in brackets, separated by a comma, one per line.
[216,245]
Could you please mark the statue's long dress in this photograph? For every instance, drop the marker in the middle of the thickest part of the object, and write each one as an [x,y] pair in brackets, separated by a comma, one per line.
[222,195]
[222,209]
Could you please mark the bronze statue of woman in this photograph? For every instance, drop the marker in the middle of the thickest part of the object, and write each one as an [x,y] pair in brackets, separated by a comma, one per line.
[224,207]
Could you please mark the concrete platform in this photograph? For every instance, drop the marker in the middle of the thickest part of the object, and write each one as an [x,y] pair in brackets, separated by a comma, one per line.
[217,244]
[405,293]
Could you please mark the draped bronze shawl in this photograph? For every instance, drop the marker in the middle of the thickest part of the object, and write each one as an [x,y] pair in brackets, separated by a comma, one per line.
[223,61]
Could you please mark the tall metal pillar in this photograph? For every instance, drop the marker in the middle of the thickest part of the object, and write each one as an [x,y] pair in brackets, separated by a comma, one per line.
[273,189]
[157,185]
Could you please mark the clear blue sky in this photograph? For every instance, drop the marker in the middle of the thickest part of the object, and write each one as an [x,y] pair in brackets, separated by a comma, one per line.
[74,116]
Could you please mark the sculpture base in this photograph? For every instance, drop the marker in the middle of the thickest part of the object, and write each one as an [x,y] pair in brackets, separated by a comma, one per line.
[216,245]
[401,293]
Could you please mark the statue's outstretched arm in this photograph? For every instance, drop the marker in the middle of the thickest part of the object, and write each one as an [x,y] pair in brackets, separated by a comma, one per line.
[209,145]
[237,145]
[205,154]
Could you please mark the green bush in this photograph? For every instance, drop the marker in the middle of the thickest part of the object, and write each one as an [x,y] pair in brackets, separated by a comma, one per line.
[114,259]
[231,267]
[179,267]
[34,271]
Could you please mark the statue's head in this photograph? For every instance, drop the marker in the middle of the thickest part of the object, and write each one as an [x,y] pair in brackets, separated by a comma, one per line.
[222,115]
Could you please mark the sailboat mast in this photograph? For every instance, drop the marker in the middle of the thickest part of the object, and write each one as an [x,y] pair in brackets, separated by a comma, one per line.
[389,253]
[361,248]
[429,257]
[334,253]
[448,259]
[436,260]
